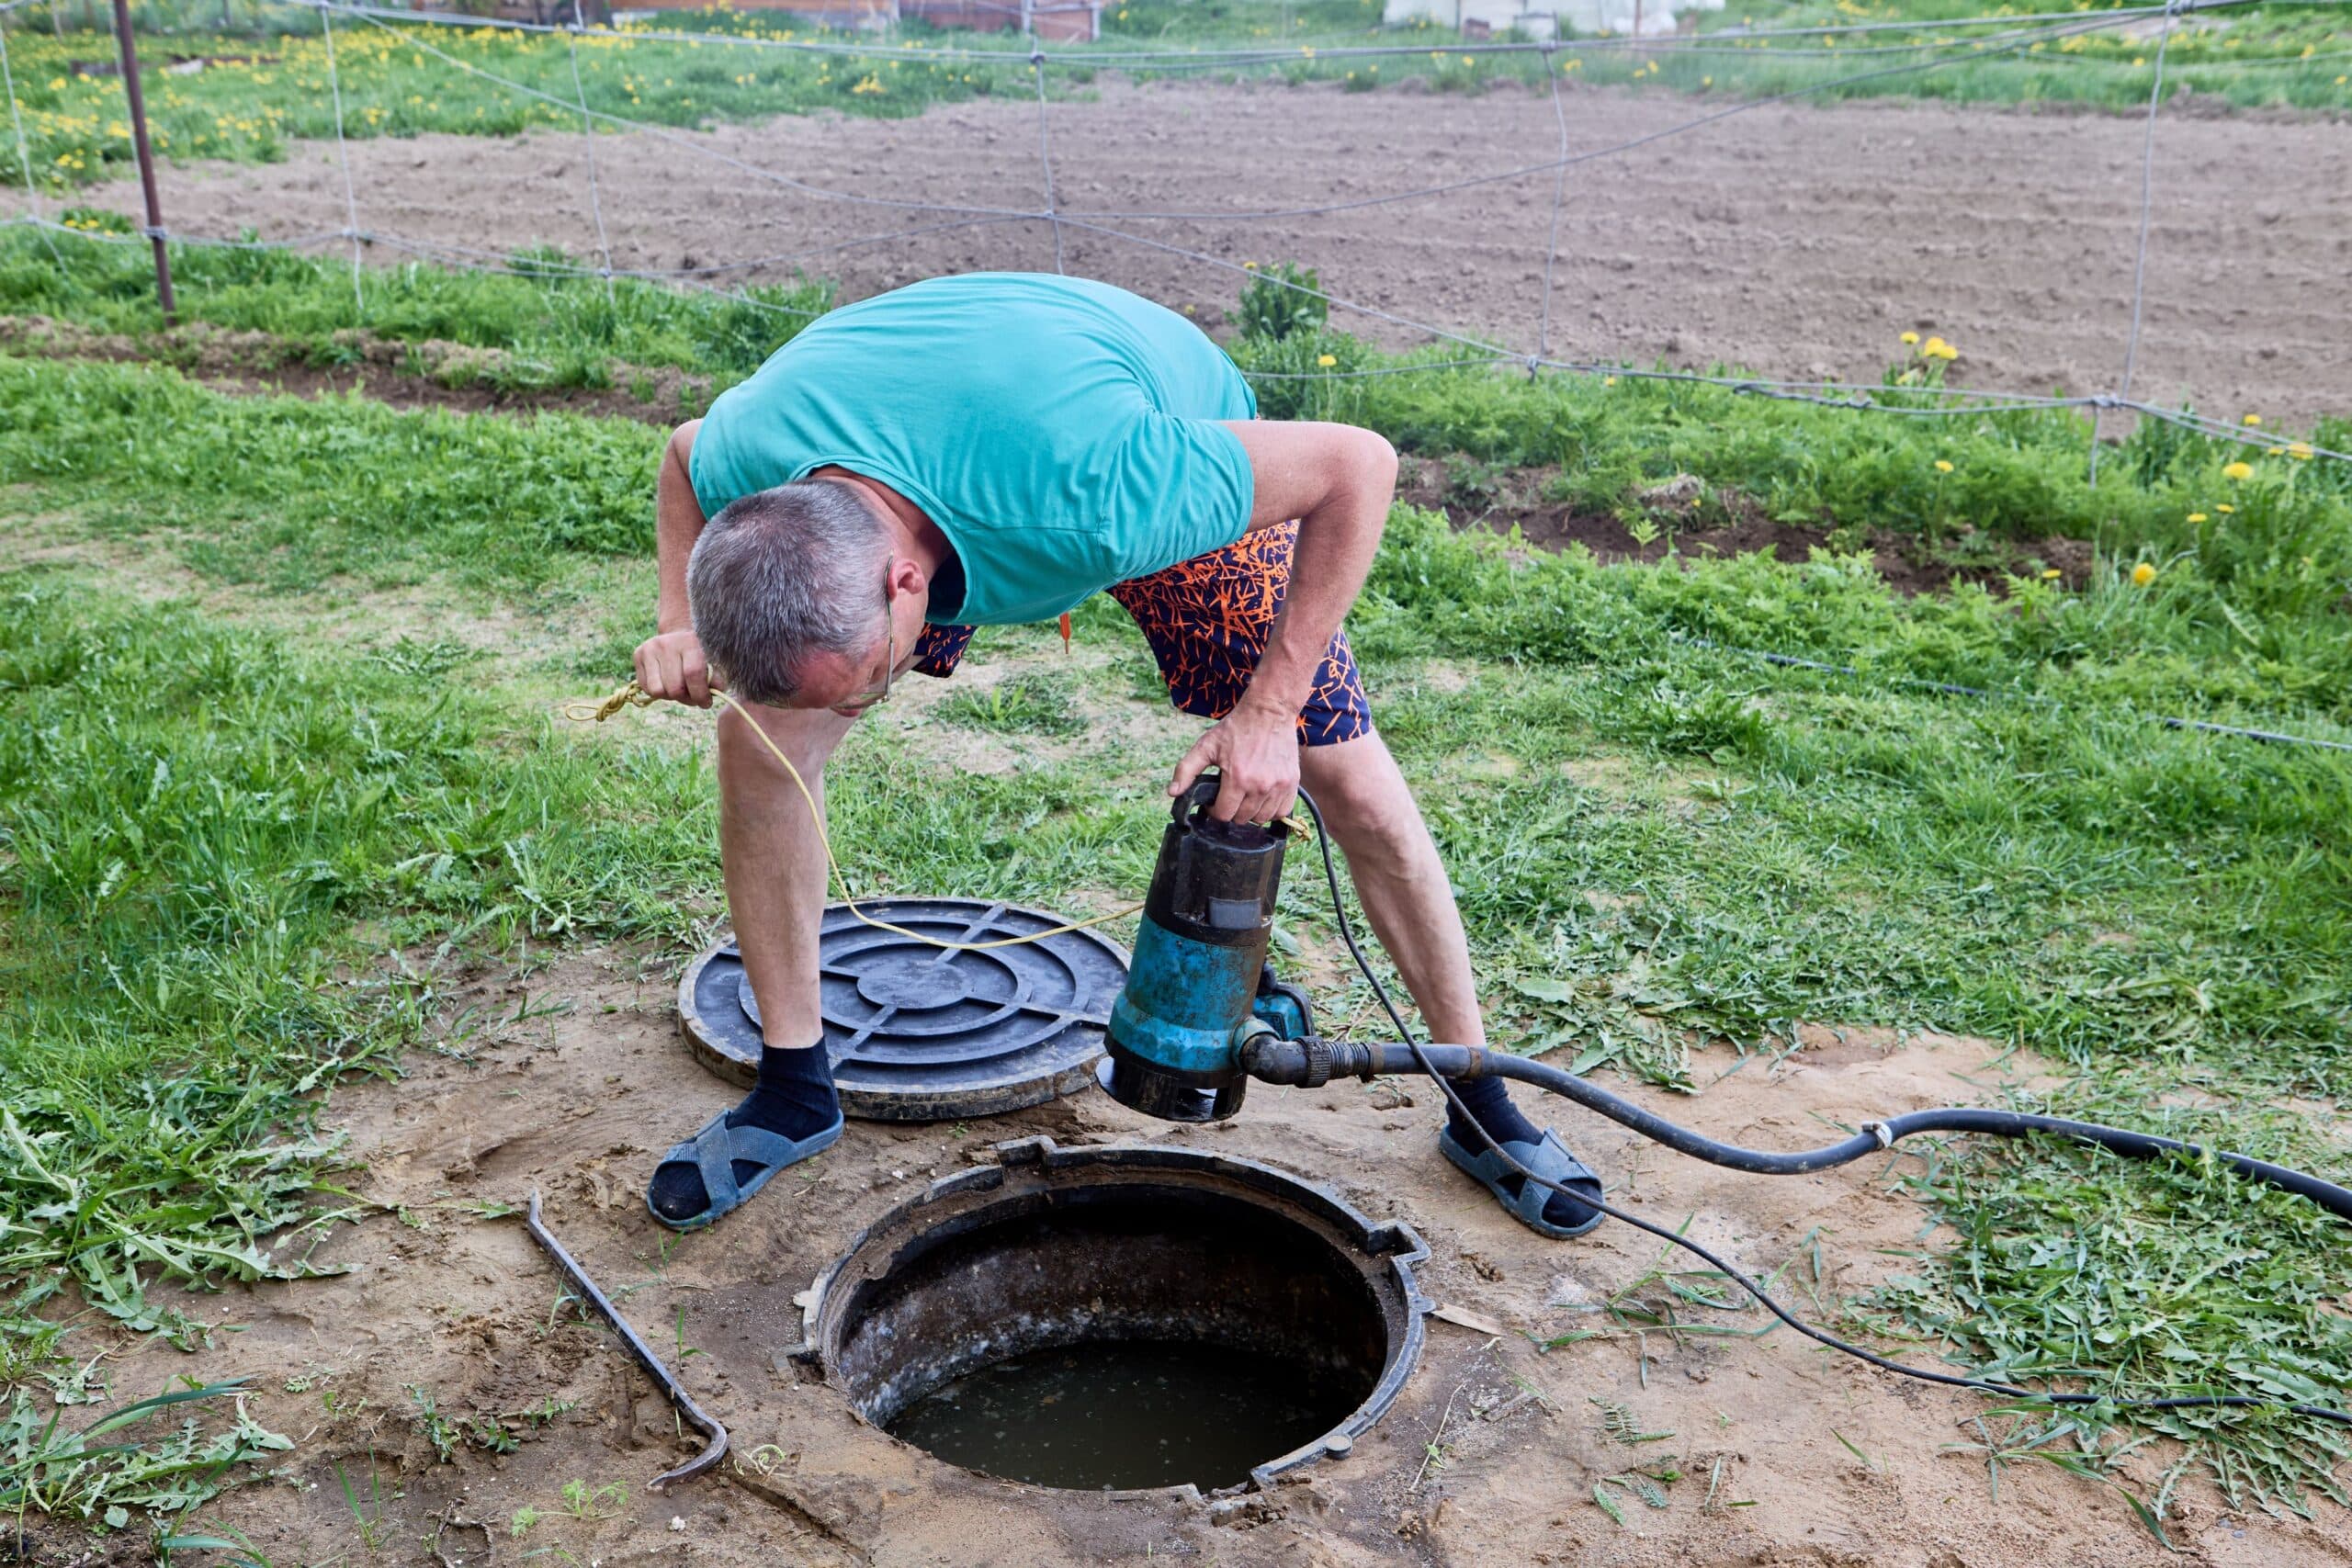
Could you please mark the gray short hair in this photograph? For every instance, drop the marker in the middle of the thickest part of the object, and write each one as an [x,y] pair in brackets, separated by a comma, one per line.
[783,573]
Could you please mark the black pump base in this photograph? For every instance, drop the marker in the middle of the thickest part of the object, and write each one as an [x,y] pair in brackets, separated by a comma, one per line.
[1139,1086]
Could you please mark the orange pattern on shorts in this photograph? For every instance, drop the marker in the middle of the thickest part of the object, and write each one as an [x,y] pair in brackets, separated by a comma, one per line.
[1207,621]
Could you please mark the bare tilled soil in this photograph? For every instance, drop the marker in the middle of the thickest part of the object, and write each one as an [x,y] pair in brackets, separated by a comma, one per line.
[1795,241]
[1827,1461]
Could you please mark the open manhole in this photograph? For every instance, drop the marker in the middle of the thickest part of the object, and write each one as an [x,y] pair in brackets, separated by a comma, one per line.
[924,1034]
[1121,1318]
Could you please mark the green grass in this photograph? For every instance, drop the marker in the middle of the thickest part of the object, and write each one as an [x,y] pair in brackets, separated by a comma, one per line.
[216,837]
[550,326]
[2249,567]
[273,87]
[1033,704]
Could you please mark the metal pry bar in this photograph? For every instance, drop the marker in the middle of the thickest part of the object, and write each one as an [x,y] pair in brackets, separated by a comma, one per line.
[716,1449]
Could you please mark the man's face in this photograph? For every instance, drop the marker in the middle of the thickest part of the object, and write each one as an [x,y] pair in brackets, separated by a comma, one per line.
[851,684]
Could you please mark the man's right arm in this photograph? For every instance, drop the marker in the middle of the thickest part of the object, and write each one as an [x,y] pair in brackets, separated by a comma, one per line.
[670,663]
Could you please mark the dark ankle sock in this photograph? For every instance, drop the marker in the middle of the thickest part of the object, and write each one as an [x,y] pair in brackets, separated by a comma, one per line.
[1491,1104]
[793,1097]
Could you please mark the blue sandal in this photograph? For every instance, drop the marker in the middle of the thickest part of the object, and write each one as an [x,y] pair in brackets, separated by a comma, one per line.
[1549,1159]
[714,1150]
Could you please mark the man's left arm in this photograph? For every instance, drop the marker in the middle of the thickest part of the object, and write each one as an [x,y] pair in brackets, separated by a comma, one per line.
[1339,481]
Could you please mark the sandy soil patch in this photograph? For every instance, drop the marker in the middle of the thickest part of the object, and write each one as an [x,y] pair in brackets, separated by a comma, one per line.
[578,1098]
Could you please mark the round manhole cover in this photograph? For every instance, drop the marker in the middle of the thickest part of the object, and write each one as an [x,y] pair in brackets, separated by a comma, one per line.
[922,1034]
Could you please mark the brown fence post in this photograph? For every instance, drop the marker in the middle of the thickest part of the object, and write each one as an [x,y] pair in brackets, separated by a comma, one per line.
[146,157]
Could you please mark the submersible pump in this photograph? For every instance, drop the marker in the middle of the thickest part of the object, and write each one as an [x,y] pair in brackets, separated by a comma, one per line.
[1200,995]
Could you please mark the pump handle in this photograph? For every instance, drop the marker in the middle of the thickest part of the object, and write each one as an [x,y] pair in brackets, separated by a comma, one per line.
[1197,799]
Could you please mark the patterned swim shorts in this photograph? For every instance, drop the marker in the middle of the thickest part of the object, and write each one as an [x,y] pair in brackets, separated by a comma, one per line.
[1207,620]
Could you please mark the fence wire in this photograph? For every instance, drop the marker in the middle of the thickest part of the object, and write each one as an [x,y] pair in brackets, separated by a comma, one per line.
[2023,32]
[1923,401]
[2140,249]
[342,160]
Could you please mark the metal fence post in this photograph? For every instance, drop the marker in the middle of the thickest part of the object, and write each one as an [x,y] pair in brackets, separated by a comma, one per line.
[146,157]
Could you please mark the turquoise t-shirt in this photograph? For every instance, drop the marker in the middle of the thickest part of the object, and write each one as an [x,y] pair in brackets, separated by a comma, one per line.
[1063,433]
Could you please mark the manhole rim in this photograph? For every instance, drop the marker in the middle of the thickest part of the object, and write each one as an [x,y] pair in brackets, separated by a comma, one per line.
[1395,1243]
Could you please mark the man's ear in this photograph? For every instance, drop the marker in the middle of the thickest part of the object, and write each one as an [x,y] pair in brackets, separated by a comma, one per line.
[906,577]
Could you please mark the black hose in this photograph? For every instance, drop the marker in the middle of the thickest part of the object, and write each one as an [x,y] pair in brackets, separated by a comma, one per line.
[1300,1063]
[1474,1062]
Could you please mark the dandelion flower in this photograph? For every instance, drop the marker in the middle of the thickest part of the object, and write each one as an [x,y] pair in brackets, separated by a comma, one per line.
[2251,419]
[2299,451]
[2144,574]
[2049,573]
[1326,360]
[1942,466]
[1609,380]
[2197,517]
[2225,507]
[2240,470]
[1910,337]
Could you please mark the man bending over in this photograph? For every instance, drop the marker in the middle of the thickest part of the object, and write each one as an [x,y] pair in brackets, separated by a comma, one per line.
[988,449]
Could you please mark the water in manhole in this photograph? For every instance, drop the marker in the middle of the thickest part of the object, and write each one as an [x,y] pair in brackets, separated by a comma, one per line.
[1126,1415]
[1122,1317]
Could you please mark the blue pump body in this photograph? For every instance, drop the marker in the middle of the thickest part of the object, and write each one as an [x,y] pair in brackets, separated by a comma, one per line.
[1198,986]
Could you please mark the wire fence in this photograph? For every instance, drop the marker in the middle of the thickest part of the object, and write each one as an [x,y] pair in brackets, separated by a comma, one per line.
[2012,35]
[2015,34]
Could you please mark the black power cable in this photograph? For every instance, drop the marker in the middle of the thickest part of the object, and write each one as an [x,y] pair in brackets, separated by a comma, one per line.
[1681,1139]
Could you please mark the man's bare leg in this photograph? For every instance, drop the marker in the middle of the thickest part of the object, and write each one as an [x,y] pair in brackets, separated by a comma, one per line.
[773,856]
[1394,861]
[1395,865]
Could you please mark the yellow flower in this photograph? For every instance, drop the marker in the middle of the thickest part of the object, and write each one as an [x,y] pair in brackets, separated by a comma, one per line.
[1706,81]
[1942,466]
[1909,338]
[1326,360]
[2225,507]
[1248,266]
[1609,380]
[2251,419]
[2197,517]
[2144,574]
[2299,452]
[2238,471]
[2050,572]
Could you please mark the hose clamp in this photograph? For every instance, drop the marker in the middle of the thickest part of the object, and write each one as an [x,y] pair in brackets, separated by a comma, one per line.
[1881,1132]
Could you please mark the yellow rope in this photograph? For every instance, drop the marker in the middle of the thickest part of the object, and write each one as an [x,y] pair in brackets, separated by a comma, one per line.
[633,695]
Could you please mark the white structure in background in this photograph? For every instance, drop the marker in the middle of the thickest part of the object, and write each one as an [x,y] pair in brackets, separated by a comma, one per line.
[1541,18]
